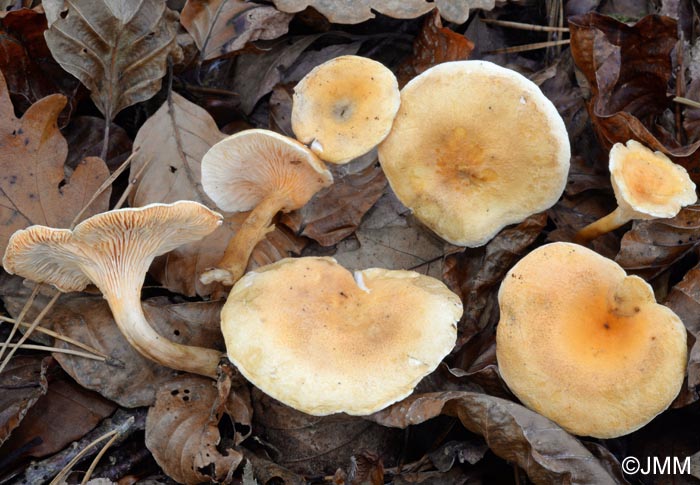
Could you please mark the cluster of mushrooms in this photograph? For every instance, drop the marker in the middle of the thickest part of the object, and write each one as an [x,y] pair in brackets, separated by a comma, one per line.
[600,358]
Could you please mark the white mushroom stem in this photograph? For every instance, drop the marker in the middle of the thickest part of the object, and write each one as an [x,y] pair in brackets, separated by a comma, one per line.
[125,304]
[253,230]
[612,221]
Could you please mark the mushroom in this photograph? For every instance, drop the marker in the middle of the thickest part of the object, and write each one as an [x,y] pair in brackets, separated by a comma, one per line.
[314,336]
[475,147]
[113,250]
[263,171]
[647,185]
[344,107]
[585,345]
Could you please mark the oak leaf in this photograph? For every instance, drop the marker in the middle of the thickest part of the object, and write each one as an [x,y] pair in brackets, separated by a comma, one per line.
[117,49]
[34,187]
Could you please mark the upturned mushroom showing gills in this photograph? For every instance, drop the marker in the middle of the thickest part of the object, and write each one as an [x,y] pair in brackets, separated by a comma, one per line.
[262,171]
[312,335]
[113,250]
[344,107]
[647,185]
[585,345]
[475,147]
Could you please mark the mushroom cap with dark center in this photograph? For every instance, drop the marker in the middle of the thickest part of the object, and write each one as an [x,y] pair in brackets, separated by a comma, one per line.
[475,147]
[585,345]
[107,246]
[647,184]
[243,169]
[309,334]
[344,107]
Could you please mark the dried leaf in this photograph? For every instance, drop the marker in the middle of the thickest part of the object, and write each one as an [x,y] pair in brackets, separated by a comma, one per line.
[359,11]
[650,247]
[366,469]
[182,433]
[434,45]
[220,27]
[628,69]
[63,415]
[22,383]
[547,453]
[311,444]
[117,49]
[25,61]
[172,143]
[131,380]
[85,135]
[38,191]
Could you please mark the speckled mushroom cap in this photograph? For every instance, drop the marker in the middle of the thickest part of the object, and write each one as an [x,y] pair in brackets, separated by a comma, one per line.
[475,147]
[245,168]
[585,345]
[107,246]
[313,336]
[647,184]
[344,107]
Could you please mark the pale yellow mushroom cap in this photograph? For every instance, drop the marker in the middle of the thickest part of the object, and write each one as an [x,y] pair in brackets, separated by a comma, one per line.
[245,168]
[313,336]
[585,345]
[344,107]
[475,147]
[647,184]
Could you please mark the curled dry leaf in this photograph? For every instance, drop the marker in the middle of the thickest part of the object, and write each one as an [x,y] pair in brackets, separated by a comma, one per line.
[628,69]
[22,383]
[171,144]
[63,415]
[652,246]
[118,50]
[38,190]
[311,445]
[547,453]
[434,45]
[220,27]
[182,433]
[130,379]
[359,11]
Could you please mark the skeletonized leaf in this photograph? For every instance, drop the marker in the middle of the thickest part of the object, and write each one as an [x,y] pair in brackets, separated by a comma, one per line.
[182,433]
[220,27]
[117,49]
[171,144]
[38,191]
[547,453]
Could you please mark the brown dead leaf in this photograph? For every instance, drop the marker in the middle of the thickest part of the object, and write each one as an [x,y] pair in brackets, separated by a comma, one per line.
[38,190]
[366,469]
[628,69]
[131,380]
[317,444]
[359,11]
[220,27]
[547,453]
[651,247]
[25,61]
[118,50]
[22,383]
[182,433]
[434,45]
[172,143]
[63,415]
[85,136]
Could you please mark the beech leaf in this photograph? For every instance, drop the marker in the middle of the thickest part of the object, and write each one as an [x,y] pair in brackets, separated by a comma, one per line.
[220,27]
[37,191]
[117,49]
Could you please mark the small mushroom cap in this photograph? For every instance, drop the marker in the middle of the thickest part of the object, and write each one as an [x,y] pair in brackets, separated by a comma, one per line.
[585,345]
[647,184]
[475,147]
[310,335]
[106,246]
[245,168]
[344,107]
